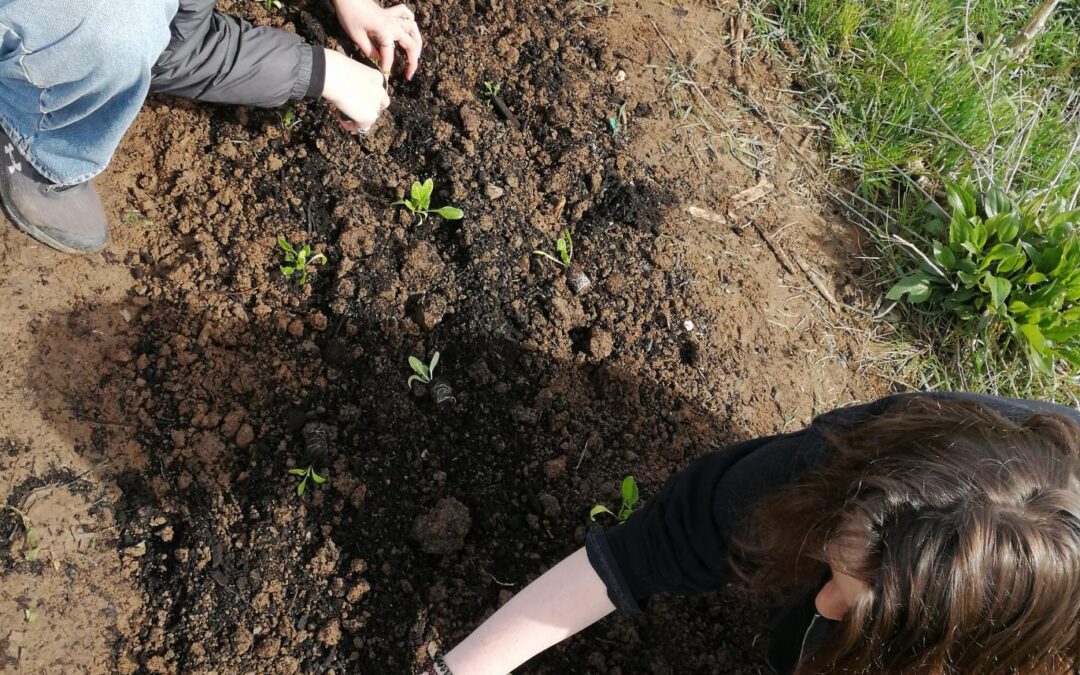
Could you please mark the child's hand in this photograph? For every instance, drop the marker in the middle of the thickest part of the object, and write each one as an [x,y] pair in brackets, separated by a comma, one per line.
[376,30]
[358,91]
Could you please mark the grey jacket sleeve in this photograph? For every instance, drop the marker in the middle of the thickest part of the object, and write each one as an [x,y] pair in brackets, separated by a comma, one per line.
[218,58]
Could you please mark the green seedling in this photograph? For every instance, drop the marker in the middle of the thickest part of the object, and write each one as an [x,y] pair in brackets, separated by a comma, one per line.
[136,217]
[491,90]
[297,263]
[630,499]
[30,615]
[424,373]
[616,121]
[289,120]
[305,474]
[419,203]
[271,5]
[564,247]
[32,548]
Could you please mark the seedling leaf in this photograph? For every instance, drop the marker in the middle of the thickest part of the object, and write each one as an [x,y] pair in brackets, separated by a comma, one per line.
[450,212]
[301,487]
[319,480]
[597,510]
[431,366]
[418,367]
[421,194]
[630,493]
[298,472]
[413,377]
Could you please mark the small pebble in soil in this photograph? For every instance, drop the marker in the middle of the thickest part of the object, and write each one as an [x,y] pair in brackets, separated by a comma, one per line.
[555,468]
[330,633]
[442,392]
[244,436]
[688,325]
[316,442]
[358,591]
[601,343]
[493,191]
[442,530]
[579,282]
[551,507]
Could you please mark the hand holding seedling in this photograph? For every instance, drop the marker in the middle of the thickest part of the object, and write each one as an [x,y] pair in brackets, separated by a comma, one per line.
[377,31]
[419,202]
[356,90]
[297,262]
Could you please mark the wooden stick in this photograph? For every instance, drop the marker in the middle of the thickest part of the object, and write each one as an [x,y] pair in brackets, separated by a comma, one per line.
[706,214]
[817,282]
[786,262]
[500,105]
[781,256]
[738,35]
[1034,26]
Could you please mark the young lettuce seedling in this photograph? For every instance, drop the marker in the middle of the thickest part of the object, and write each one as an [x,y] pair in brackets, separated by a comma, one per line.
[630,499]
[305,474]
[616,121]
[419,203]
[564,247]
[424,373]
[289,120]
[491,90]
[298,262]
[440,391]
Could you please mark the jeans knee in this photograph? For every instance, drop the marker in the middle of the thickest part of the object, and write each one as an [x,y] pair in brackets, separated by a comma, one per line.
[125,36]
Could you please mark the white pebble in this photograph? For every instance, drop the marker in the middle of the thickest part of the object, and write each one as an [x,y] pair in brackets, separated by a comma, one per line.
[688,325]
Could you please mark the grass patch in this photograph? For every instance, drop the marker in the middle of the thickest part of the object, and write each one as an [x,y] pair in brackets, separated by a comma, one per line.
[922,94]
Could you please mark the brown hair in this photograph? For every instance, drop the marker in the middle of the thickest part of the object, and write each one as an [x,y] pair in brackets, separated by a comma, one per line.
[966,527]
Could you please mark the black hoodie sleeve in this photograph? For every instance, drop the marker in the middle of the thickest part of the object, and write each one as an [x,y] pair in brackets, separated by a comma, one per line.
[678,542]
[219,58]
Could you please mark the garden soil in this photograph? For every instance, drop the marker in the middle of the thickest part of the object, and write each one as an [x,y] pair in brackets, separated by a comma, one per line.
[158,393]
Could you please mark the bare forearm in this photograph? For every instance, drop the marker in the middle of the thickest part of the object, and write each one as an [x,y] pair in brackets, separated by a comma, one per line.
[566,599]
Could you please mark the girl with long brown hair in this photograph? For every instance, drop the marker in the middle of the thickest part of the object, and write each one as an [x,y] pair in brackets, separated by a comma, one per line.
[930,534]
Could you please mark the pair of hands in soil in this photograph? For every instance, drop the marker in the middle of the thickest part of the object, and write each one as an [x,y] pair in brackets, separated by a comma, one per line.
[357,90]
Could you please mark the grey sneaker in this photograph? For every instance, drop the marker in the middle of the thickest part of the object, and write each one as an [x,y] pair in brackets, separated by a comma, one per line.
[69,219]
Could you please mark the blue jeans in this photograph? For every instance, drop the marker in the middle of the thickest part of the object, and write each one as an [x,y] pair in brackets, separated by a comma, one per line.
[73,75]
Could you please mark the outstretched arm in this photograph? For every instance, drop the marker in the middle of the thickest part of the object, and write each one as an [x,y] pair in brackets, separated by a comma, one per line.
[565,600]
[676,544]
[219,58]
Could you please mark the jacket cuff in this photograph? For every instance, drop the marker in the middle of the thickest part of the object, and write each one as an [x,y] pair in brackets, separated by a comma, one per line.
[603,562]
[311,77]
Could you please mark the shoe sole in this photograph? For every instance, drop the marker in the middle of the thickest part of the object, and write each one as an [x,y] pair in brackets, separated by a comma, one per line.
[35,232]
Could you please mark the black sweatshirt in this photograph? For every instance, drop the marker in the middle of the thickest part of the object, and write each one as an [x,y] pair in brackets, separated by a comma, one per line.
[218,58]
[678,542]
